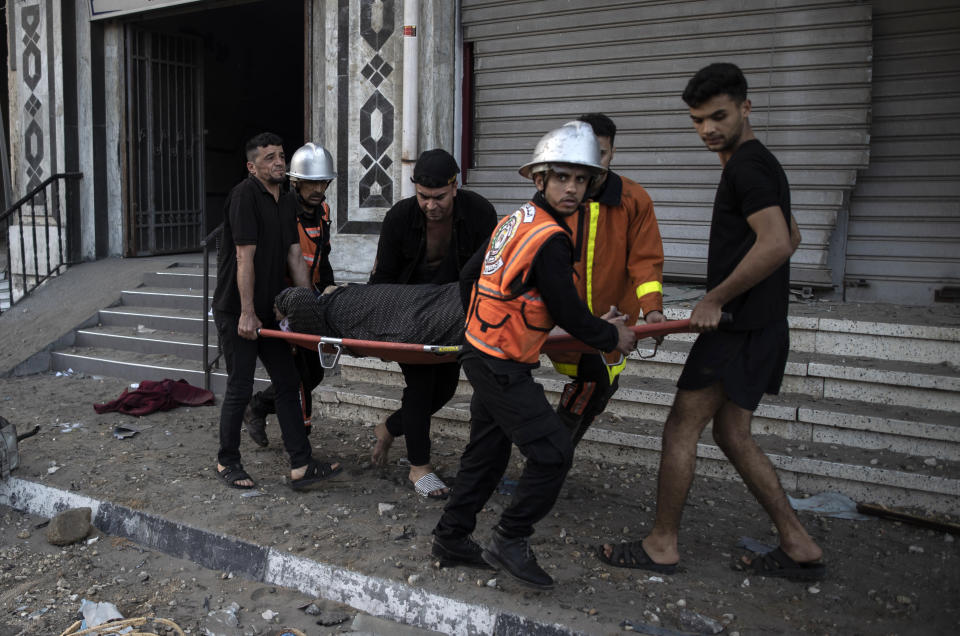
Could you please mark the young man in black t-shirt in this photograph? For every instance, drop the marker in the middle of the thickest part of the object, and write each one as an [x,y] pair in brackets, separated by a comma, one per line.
[752,236]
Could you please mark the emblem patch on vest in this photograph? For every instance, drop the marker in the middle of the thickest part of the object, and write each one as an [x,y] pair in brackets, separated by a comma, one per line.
[501,237]
[528,212]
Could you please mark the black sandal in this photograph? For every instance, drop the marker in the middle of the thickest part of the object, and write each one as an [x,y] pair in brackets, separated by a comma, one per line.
[778,563]
[232,474]
[316,472]
[632,555]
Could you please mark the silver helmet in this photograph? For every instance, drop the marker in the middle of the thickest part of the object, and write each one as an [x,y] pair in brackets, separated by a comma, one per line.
[573,143]
[312,163]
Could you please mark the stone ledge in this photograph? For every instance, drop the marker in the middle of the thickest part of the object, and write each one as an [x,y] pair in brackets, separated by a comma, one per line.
[941,493]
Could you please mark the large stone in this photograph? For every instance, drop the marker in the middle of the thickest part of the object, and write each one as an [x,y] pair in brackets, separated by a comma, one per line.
[69,526]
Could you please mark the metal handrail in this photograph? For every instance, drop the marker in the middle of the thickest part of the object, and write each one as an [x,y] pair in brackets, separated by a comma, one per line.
[17,208]
[207,364]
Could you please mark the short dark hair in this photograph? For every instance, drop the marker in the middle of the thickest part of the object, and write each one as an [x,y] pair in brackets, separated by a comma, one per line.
[602,125]
[721,78]
[262,140]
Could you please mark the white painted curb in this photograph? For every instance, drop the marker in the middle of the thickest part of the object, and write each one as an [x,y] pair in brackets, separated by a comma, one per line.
[385,598]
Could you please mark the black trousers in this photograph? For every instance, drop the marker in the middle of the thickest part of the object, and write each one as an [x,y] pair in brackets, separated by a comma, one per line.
[428,388]
[241,356]
[587,396]
[311,375]
[507,408]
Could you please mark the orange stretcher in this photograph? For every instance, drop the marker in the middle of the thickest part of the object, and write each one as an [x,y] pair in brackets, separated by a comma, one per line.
[330,348]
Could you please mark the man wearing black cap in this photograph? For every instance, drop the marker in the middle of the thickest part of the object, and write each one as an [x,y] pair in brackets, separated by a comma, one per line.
[426,239]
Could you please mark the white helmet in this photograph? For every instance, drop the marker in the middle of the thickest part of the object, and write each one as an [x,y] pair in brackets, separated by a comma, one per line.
[312,163]
[572,143]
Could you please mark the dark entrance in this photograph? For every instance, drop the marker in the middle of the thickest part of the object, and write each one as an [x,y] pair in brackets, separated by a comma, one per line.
[203,83]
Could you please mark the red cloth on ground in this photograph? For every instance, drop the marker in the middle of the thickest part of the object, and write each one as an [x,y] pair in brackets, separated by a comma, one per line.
[153,396]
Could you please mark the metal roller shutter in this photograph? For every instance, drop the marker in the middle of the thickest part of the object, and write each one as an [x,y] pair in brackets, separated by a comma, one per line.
[538,64]
[904,237]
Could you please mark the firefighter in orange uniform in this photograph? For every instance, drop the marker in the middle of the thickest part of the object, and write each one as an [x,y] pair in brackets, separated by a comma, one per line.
[311,171]
[618,263]
[524,289]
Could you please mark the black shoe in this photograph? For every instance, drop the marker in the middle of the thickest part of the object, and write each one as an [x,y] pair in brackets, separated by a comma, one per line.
[463,551]
[516,558]
[256,425]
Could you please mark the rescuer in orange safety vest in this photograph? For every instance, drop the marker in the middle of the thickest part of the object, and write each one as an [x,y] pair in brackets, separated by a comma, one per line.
[525,288]
[618,262]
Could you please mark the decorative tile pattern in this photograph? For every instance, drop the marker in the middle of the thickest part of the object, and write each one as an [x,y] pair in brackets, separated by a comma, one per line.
[376,187]
[367,114]
[31,73]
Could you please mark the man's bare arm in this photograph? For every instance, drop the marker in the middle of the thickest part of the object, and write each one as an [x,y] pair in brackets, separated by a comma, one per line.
[298,267]
[795,236]
[249,323]
[771,250]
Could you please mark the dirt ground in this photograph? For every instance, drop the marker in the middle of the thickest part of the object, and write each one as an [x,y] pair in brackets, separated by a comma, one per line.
[884,577]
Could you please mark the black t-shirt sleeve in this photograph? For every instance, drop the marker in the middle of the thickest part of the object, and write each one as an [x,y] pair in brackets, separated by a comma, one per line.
[755,184]
[243,217]
[552,275]
[288,216]
[324,268]
[388,265]
[488,221]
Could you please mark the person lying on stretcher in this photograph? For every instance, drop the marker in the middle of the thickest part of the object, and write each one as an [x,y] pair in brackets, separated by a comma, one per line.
[422,314]
[431,314]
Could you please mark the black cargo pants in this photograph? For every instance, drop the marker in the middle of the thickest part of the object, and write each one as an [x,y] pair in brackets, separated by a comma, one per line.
[507,408]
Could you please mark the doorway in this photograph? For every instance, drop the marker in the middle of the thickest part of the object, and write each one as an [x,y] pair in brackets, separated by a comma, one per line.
[217,78]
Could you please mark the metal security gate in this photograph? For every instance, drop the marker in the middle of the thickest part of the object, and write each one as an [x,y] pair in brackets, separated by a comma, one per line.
[164,143]
[540,63]
[903,245]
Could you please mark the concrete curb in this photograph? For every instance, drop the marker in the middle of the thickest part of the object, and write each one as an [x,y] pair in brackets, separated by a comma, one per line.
[380,597]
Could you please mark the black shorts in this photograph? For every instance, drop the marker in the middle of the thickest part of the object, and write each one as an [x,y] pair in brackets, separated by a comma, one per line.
[749,363]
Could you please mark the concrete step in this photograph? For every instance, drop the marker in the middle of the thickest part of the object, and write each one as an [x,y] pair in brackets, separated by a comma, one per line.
[791,416]
[135,367]
[877,381]
[164,297]
[4,289]
[175,320]
[877,476]
[143,339]
[181,278]
[908,334]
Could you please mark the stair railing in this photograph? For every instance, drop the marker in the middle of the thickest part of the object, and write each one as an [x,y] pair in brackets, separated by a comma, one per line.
[41,203]
[211,238]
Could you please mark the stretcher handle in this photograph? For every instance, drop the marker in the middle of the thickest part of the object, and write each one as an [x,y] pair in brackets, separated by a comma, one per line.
[329,360]
[725,319]
[565,342]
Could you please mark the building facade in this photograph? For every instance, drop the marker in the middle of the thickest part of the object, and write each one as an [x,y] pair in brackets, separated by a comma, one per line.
[153,99]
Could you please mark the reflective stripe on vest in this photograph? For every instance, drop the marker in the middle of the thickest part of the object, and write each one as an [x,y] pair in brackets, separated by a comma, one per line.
[570,368]
[651,287]
[591,250]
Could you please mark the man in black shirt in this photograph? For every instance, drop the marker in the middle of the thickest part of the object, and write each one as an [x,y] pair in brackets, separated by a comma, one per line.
[426,239]
[311,172]
[259,246]
[752,236]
